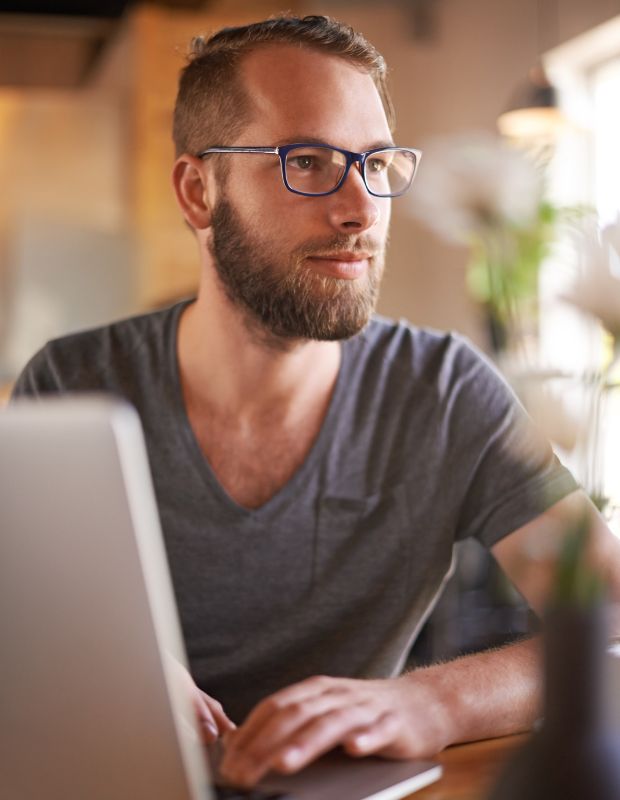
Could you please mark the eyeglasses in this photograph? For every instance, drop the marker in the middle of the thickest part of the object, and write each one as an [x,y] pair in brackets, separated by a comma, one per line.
[315,170]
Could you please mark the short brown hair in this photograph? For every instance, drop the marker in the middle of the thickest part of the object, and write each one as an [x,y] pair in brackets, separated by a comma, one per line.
[212,108]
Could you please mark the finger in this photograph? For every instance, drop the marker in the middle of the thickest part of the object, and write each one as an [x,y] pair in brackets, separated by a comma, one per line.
[267,708]
[380,737]
[206,723]
[221,719]
[317,737]
[322,734]
[212,720]
[281,727]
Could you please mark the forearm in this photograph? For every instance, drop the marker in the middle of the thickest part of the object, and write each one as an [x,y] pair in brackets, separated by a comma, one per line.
[482,695]
[414,716]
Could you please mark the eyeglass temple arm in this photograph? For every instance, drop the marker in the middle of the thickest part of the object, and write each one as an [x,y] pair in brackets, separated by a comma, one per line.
[269,150]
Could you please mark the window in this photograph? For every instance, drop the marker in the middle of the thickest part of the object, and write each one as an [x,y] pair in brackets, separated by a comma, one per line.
[585,169]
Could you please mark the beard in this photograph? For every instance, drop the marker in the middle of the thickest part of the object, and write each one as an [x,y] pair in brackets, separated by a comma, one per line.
[282,296]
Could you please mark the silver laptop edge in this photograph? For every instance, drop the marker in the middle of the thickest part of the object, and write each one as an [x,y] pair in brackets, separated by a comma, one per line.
[90,699]
[74,478]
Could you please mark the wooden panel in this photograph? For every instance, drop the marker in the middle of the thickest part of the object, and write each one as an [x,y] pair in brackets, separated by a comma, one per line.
[166,249]
[44,51]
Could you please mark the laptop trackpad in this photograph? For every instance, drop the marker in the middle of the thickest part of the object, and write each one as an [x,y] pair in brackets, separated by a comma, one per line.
[337,776]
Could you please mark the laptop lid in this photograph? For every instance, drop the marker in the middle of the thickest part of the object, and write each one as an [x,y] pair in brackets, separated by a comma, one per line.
[89,633]
[88,623]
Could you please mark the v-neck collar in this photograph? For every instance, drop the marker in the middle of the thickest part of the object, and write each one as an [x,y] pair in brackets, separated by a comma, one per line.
[287,493]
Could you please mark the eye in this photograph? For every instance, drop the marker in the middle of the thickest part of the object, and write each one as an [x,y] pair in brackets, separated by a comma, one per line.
[303,162]
[377,164]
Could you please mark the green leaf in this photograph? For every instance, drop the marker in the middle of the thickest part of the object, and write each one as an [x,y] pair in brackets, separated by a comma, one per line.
[577,584]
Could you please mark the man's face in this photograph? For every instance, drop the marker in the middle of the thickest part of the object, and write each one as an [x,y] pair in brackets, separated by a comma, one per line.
[301,267]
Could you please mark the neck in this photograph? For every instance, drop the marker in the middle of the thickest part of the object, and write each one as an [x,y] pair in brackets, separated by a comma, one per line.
[228,369]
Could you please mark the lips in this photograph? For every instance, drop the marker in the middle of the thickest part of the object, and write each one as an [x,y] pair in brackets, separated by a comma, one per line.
[345,255]
[343,264]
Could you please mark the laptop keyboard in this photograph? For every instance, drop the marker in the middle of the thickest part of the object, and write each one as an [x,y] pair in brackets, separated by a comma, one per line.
[228,793]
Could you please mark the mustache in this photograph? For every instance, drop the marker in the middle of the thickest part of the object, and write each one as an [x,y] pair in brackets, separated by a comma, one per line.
[336,244]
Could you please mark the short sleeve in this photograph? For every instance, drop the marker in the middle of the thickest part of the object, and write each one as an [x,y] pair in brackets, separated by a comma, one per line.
[37,378]
[513,474]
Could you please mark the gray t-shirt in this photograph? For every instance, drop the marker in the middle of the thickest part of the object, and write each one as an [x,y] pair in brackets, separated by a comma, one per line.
[423,444]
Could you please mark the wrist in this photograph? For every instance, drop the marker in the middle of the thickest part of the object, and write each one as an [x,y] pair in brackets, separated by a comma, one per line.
[429,693]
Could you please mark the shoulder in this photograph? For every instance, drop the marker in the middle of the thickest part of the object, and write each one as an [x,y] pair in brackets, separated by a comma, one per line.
[431,357]
[98,358]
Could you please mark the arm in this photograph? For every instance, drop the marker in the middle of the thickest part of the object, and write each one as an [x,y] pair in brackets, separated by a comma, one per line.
[418,714]
[528,555]
[413,716]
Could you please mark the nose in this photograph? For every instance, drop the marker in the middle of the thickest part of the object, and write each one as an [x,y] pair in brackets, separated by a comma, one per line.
[352,208]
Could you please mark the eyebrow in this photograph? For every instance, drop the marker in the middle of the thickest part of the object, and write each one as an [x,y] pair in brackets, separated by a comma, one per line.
[314,140]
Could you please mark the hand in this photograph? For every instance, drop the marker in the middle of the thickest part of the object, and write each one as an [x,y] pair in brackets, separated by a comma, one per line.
[396,718]
[212,719]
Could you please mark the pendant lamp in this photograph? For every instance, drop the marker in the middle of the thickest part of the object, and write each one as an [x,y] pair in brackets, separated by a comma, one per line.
[532,112]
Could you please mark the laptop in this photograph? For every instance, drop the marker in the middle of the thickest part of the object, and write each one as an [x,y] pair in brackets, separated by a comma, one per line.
[89,632]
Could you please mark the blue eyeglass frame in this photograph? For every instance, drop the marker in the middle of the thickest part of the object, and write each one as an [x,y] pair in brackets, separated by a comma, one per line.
[351,158]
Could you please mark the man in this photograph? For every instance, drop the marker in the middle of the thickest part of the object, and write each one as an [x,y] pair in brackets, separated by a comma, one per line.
[314,467]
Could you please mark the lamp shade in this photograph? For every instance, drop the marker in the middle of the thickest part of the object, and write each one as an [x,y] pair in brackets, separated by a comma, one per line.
[532,112]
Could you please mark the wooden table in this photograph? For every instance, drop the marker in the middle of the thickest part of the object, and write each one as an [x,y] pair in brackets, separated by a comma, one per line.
[470,769]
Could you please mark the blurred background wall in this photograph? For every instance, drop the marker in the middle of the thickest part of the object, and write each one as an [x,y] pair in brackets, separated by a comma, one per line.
[88,226]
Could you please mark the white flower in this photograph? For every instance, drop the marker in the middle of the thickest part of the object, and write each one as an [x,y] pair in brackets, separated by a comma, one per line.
[596,290]
[473,183]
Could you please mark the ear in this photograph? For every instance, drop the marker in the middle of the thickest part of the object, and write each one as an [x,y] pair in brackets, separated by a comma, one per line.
[190,179]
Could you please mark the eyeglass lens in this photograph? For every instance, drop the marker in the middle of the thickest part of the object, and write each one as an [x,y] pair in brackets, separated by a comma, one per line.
[316,170]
